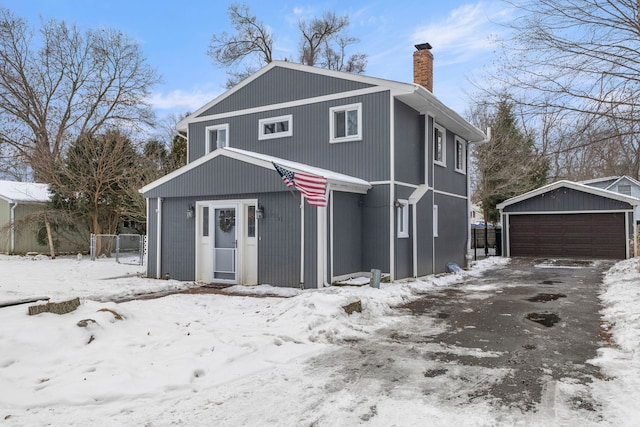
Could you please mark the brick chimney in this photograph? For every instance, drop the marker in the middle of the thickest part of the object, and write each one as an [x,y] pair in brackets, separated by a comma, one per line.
[423,66]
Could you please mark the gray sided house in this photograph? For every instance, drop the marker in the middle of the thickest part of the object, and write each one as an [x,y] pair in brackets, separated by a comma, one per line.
[569,220]
[619,184]
[392,157]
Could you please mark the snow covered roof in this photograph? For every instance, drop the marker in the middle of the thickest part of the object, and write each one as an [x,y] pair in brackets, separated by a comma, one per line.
[29,192]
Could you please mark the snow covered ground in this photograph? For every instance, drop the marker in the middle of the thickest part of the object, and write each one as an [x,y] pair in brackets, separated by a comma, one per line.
[210,359]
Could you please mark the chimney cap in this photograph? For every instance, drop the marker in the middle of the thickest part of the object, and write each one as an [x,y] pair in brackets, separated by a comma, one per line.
[423,46]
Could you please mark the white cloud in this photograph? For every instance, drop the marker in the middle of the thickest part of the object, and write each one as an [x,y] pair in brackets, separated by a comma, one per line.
[181,100]
[466,32]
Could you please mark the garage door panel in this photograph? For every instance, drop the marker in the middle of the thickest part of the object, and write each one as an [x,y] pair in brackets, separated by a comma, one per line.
[568,235]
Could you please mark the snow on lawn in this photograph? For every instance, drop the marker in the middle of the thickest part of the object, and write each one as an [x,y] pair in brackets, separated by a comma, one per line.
[620,360]
[211,359]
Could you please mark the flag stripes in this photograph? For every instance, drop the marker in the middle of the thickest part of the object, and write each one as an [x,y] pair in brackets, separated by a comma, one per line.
[312,187]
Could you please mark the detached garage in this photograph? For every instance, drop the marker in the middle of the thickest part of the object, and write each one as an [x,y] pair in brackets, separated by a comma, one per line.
[569,220]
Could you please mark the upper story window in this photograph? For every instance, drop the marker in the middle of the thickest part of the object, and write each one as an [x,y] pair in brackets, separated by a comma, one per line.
[461,156]
[275,127]
[624,189]
[346,123]
[216,137]
[439,146]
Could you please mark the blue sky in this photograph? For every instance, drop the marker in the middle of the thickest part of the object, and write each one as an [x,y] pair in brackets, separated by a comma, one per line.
[174,37]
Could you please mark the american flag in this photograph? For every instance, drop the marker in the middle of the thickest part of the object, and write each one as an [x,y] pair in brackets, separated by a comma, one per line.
[312,187]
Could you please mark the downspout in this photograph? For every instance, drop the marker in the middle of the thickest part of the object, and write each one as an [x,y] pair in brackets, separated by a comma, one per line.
[486,139]
[159,238]
[392,190]
[301,242]
[13,227]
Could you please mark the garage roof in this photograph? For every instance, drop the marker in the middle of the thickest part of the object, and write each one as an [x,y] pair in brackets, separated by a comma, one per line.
[573,185]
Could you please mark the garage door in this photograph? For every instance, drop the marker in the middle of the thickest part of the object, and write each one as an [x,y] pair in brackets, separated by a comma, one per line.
[599,236]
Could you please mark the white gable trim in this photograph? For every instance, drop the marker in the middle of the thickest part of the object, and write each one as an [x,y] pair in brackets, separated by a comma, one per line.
[388,84]
[623,178]
[183,125]
[573,185]
[335,181]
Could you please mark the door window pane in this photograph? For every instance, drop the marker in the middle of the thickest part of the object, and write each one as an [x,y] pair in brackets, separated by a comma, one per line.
[251,221]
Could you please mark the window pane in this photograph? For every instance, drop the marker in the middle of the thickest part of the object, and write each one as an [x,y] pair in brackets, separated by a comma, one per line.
[352,117]
[283,126]
[205,221]
[624,189]
[222,138]
[269,128]
[339,124]
[438,142]
[251,221]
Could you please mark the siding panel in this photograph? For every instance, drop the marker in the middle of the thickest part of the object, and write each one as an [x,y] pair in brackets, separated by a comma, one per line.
[451,243]
[347,234]
[566,199]
[282,85]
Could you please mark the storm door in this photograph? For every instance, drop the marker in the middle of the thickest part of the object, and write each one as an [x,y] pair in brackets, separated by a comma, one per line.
[225,243]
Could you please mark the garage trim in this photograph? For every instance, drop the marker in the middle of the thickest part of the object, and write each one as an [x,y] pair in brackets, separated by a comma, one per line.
[626,207]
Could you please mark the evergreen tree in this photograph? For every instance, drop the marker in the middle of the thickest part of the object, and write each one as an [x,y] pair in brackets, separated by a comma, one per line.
[509,164]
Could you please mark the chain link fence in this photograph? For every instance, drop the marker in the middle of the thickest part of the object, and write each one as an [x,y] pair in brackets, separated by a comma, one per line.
[125,248]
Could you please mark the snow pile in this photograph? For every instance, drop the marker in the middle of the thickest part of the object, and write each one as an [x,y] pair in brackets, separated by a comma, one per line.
[619,359]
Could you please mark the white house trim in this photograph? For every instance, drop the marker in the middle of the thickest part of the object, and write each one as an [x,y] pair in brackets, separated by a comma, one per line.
[284,105]
[444,193]
[573,185]
[159,238]
[576,212]
[392,191]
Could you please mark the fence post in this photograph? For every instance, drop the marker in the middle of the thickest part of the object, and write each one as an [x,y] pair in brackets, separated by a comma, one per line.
[92,247]
[118,249]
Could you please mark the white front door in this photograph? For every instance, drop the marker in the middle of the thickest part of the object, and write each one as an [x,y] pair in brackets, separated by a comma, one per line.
[227,242]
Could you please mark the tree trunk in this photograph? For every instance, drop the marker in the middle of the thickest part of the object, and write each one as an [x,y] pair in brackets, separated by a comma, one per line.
[96,231]
[52,249]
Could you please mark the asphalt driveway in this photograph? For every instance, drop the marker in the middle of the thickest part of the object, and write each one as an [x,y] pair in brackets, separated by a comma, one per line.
[540,317]
[518,337]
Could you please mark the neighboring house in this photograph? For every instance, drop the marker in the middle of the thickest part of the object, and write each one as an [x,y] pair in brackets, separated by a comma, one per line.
[569,220]
[18,200]
[619,184]
[386,168]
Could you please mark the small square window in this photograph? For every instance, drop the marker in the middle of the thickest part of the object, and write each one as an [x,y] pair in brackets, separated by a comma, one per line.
[439,146]
[461,156]
[624,189]
[346,123]
[216,137]
[275,127]
[402,213]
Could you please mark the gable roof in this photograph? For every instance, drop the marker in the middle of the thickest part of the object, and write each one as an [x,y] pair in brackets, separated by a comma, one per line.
[573,185]
[611,181]
[335,181]
[411,94]
[24,192]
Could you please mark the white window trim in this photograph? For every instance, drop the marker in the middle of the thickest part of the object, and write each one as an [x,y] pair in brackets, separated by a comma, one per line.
[402,213]
[435,220]
[442,162]
[332,110]
[262,122]
[207,135]
[464,156]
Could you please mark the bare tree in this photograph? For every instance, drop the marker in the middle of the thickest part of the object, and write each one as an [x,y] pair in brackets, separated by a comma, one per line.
[324,42]
[61,83]
[578,55]
[98,182]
